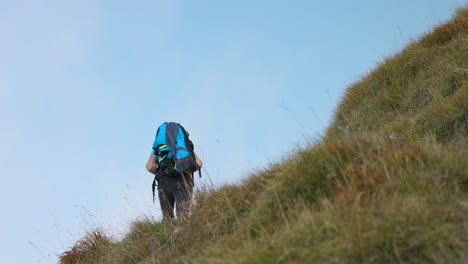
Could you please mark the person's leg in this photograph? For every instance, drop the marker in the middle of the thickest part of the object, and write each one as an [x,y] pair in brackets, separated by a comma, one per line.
[183,196]
[166,200]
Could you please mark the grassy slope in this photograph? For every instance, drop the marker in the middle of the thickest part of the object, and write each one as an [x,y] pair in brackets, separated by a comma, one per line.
[387,184]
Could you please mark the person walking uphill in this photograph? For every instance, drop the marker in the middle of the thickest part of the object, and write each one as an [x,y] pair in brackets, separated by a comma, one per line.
[173,162]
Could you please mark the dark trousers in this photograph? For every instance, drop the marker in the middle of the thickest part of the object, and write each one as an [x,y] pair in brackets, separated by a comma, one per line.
[175,191]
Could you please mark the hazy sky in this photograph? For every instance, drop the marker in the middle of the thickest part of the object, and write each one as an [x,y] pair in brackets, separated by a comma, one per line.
[84,85]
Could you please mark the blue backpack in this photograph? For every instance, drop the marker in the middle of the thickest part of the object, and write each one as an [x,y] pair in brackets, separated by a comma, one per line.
[174,151]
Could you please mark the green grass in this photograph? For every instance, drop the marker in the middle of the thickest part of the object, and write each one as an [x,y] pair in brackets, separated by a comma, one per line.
[423,88]
[388,183]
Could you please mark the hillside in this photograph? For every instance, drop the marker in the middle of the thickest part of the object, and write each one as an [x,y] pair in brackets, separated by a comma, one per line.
[388,183]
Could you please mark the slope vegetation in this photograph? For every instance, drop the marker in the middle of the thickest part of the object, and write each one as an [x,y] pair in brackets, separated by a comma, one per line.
[388,183]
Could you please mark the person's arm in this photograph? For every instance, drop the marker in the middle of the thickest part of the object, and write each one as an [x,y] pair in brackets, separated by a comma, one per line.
[198,161]
[151,165]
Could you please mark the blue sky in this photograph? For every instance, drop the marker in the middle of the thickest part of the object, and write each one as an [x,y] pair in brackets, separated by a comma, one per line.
[85,84]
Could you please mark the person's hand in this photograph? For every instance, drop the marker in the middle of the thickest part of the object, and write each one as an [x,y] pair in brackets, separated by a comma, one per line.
[198,161]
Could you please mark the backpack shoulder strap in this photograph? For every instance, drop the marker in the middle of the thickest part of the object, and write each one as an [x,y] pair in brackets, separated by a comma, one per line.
[171,136]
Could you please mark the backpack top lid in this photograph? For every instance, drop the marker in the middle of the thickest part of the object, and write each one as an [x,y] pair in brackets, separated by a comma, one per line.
[166,135]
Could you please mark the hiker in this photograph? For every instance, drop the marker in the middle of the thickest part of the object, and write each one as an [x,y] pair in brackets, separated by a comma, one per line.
[173,162]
